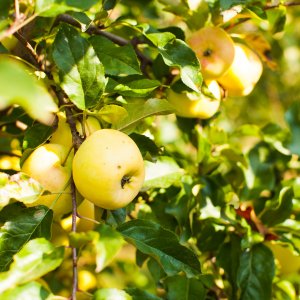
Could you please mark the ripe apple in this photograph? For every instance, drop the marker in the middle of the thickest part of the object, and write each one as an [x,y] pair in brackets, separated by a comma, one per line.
[244,72]
[214,49]
[51,166]
[63,135]
[108,169]
[196,105]
[288,262]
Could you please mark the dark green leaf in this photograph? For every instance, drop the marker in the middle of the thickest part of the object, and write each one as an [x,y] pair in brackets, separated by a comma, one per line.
[180,287]
[256,273]
[35,259]
[277,19]
[81,72]
[138,294]
[109,4]
[292,117]
[21,225]
[161,244]
[146,145]
[118,61]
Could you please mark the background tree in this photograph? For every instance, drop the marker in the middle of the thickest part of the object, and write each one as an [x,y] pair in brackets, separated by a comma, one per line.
[217,216]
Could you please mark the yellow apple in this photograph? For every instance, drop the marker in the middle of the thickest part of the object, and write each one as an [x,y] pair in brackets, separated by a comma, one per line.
[288,262]
[51,166]
[108,169]
[244,72]
[214,49]
[196,105]
[63,135]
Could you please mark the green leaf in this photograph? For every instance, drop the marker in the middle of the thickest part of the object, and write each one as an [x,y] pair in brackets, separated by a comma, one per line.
[138,294]
[132,86]
[180,287]
[227,259]
[146,145]
[140,110]
[162,173]
[35,259]
[112,113]
[162,245]
[18,187]
[30,94]
[277,19]
[111,294]
[21,225]
[31,290]
[292,116]
[177,53]
[256,273]
[36,135]
[107,245]
[281,210]
[117,60]
[81,72]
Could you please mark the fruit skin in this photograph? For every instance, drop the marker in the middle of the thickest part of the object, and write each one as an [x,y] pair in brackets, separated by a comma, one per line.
[63,135]
[214,49]
[288,262]
[45,165]
[108,169]
[196,105]
[244,72]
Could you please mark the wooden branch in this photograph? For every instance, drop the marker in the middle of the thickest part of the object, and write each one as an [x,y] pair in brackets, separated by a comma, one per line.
[286,4]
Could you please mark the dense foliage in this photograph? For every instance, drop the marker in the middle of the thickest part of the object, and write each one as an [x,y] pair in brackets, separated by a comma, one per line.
[218,216]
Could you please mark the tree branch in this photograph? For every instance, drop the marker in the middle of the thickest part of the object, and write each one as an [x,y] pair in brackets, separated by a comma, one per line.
[286,4]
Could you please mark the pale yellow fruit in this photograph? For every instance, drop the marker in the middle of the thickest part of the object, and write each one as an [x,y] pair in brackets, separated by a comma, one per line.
[196,105]
[51,166]
[63,135]
[86,280]
[244,72]
[108,169]
[214,49]
[288,262]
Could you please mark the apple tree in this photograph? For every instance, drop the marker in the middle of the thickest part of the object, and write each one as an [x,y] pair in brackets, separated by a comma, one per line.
[149,150]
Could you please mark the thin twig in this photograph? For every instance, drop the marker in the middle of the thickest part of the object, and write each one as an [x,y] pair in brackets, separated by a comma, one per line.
[17,10]
[286,4]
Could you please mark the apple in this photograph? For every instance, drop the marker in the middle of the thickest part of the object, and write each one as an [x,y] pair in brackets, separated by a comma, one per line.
[108,169]
[51,166]
[63,135]
[196,105]
[214,49]
[244,72]
[288,262]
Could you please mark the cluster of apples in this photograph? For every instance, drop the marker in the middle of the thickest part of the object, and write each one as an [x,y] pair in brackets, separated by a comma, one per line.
[233,66]
[108,169]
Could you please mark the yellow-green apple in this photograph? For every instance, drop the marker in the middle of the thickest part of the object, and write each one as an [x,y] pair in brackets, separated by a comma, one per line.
[244,72]
[51,166]
[63,135]
[214,49]
[108,169]
[196,105]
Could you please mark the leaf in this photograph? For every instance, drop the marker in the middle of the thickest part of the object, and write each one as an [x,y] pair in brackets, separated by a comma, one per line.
[292,117]
[180,287]
[282,210]
[117,60]
[138,294]
[81,72]
[161,244]
[111,294]
[107,245]
[36,135]
[141,110]
[256,273]
[162,173]
[132,86]
[18,187]
[177,53]
[112,113]
[35,259]
[277,19]
[31,290]
[30,94]
[19,226]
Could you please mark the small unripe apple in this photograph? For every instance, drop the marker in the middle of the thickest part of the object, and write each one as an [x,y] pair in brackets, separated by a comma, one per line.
[214,49]
[244,72]
[108,169]
[196,105]
[51,166]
